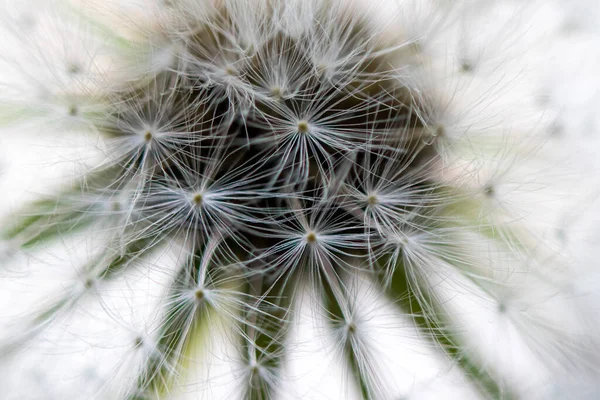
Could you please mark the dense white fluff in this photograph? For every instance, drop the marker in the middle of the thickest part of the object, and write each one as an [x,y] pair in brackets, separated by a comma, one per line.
[298,199]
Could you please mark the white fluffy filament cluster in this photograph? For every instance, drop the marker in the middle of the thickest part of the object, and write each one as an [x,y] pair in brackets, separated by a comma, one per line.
[251,159]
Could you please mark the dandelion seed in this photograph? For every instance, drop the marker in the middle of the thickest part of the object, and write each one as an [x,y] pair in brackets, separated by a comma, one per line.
[276,92]
[303,126]
[351,329]
[372,200]
[197,199]
[138,341]
[502,308]
[466,66]
[229,70]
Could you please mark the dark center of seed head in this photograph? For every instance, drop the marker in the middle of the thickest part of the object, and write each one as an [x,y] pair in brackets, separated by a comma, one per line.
[199,294]
[311,237]
[148,136]
[372,200]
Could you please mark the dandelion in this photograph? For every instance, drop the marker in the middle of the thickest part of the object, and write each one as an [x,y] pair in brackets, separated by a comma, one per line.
[250,168]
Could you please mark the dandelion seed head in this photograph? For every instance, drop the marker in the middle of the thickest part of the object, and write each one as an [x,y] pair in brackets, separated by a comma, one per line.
[285,144]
